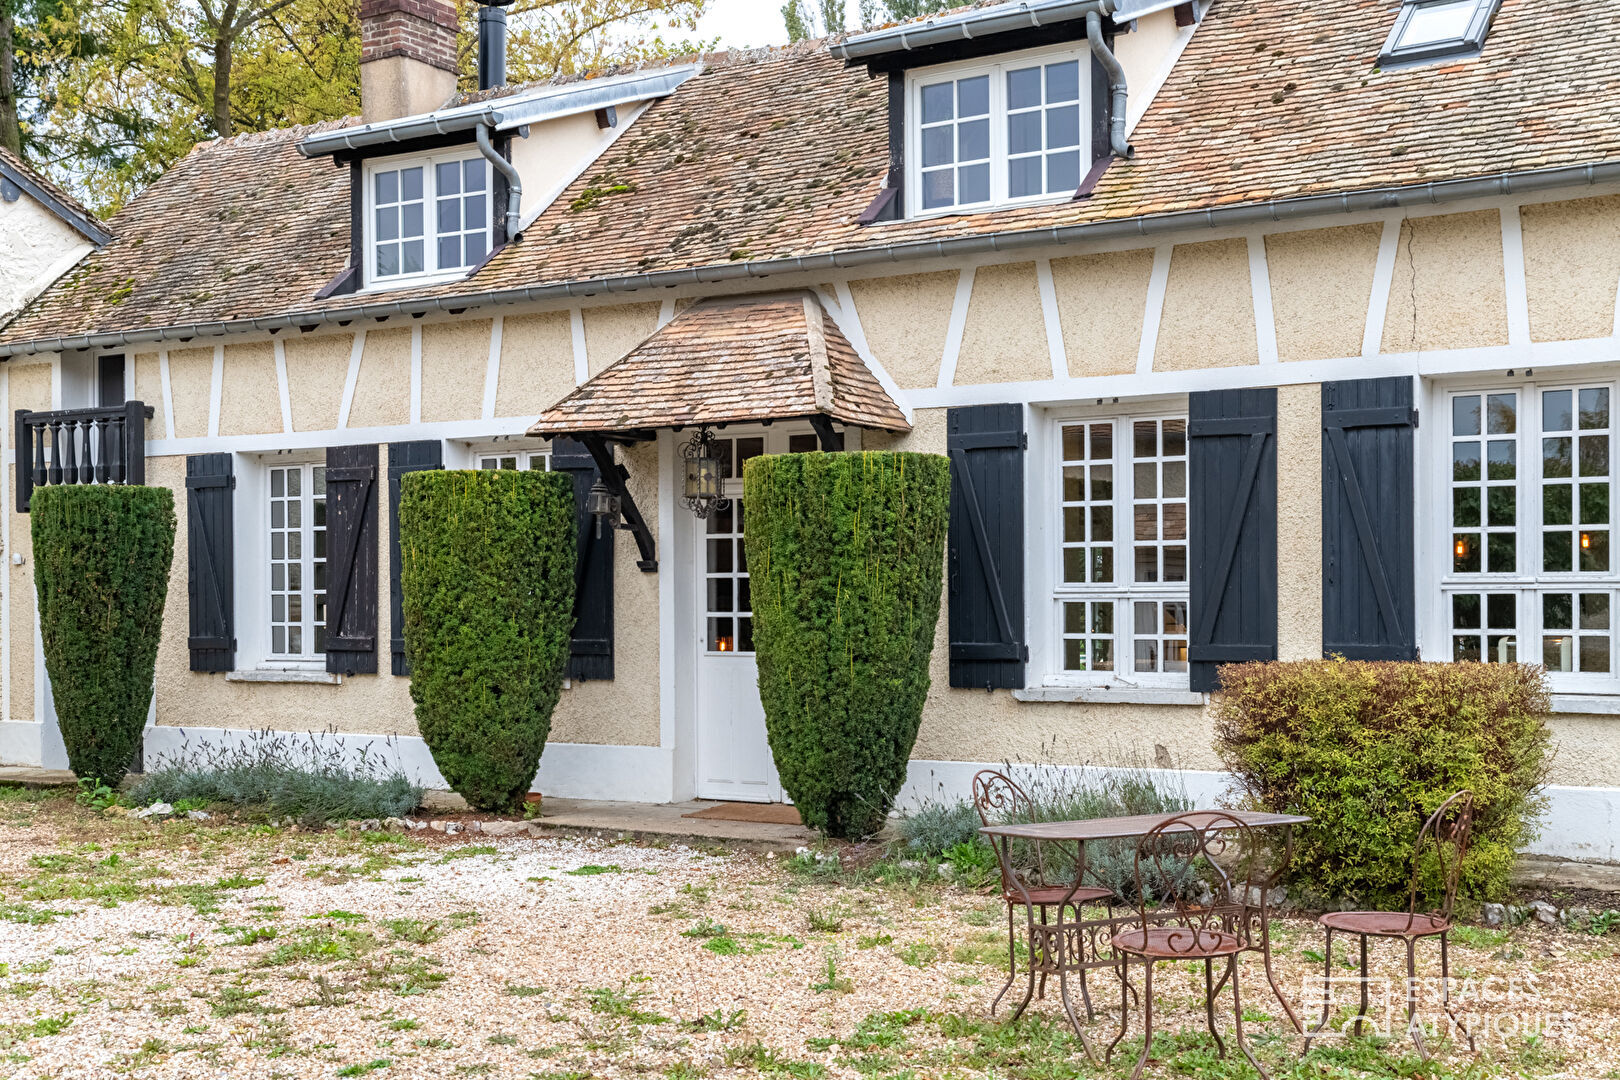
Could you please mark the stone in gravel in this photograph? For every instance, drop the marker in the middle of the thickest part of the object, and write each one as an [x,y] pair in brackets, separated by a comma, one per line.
[370,824]
[1577,917]
[395,823]
[197,815]
[505,828]
[438,826]
[1493,915]
[157,809]
[1544,912]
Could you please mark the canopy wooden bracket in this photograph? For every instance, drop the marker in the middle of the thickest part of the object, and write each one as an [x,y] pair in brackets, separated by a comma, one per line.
[614,475]
[831,441]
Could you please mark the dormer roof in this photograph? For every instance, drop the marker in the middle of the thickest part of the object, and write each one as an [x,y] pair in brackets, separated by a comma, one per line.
[29,181]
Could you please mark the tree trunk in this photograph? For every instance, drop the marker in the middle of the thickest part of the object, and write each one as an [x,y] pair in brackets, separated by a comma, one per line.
[10,129]
[222,85]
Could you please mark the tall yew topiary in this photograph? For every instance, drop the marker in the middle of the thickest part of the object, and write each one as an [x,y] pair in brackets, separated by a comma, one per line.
[845,553]
[487,576]
[101,569]
[1369,749]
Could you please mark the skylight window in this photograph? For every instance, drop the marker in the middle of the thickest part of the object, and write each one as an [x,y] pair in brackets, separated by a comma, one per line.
[1438,29]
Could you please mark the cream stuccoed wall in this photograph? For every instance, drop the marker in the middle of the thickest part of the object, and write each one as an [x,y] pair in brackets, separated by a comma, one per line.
[36,247]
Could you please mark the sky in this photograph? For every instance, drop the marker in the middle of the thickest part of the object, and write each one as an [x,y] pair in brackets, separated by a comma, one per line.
[751,23]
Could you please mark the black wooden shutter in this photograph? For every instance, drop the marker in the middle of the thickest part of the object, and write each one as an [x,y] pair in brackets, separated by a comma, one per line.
[1369,601]
[403,458]
[1232,512]
[210,561]
[591,653]
[351,559]
[985,568]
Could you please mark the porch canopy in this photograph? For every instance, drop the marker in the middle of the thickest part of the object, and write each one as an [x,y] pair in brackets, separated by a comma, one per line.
[734,360]
[730,360]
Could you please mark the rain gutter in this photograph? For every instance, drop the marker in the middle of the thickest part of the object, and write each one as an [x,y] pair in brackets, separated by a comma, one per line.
[505,113]
[1250,214]
[966,26]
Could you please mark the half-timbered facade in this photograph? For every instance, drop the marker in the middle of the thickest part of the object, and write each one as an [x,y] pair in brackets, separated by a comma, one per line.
[1254,329]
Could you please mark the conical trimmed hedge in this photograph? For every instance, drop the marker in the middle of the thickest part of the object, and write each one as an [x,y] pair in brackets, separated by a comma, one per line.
[101,570]
[487,576]
[845,552]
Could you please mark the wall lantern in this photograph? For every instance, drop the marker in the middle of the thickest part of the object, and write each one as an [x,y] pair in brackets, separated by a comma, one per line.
[705,490]
[604,506]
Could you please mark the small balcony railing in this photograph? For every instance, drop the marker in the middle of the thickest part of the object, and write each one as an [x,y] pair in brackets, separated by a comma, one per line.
[80,446]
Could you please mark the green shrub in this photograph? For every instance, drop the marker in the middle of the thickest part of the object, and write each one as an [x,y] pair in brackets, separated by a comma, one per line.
[846,553]
[306,777]
[487,573]
[101,567]
[1369,750]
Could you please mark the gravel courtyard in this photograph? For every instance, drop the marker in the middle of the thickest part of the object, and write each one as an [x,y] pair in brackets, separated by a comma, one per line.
[203,949]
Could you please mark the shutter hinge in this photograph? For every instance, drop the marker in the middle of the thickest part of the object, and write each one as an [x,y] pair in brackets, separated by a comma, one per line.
[1415,415]
[1023,653]
[1023,440]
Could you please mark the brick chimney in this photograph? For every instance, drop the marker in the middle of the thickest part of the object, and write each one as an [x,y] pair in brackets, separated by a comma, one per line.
[407,57]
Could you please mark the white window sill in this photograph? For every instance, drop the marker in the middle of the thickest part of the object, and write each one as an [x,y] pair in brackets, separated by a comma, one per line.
[1599,704]
[286,675]
[1123,695]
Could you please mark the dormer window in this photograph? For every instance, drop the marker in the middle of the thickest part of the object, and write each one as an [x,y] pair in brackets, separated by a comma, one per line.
[1438,29]
[429,217]
[997,134]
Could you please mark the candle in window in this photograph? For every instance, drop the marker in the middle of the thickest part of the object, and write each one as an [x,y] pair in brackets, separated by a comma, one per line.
[1462,548]
[1586,541]
[722,645]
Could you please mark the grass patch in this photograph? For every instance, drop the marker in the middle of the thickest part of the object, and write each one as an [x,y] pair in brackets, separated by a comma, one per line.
[591,870]
[623,1005]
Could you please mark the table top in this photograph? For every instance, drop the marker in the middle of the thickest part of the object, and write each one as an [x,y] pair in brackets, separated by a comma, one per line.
[1117,828]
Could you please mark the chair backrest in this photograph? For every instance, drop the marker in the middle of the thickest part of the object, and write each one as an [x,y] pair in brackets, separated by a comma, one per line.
[1447,832]
[998,798]
[1208,872]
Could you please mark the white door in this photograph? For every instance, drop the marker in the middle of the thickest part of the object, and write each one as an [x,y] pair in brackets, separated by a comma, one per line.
[733,756]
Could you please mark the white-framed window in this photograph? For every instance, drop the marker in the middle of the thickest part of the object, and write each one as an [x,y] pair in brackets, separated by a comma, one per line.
[1006,132]
[1120,594]
[1436,29]
[297,557]
[1530,573]
[524,460]
[426,217]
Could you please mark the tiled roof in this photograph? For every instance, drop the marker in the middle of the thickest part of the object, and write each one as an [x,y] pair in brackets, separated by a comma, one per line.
[775,155]
[731,361]
[65,202]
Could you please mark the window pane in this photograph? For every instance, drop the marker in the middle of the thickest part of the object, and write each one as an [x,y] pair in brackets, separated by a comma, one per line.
[1024,88]
[1430,23]
[1501,414]
[1595,551]
[973,140]
[973,96]
[1594,611]
[472,172]
[939,188]
[1063,172]
[1594,408]
[410,184]
[1555,411]
[1465,415]
[1465,461]
[1024,133]
[1063,82]
[449,252]
[938,102]
[938,146]
[411,257]
[1063,127]
[387,223]
[388,260]
[449,215]
[1024,177]
[975,184]
[1502,553]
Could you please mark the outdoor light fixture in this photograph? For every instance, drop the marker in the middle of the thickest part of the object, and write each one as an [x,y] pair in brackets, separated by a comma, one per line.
[1462,548]
[604,506]
[1586,541]
[705,490]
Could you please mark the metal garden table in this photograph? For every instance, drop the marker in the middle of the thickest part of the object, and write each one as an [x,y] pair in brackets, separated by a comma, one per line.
[1059,948]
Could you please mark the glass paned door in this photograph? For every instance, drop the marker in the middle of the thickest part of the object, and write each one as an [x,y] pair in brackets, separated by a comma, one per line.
[733,756]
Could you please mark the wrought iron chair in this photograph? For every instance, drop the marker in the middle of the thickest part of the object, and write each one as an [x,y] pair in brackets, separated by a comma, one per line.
[1000,800]
[1446,831]
[1208,868]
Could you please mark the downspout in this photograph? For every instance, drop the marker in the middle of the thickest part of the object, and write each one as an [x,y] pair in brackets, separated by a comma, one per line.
[514,183]
[1116,86]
